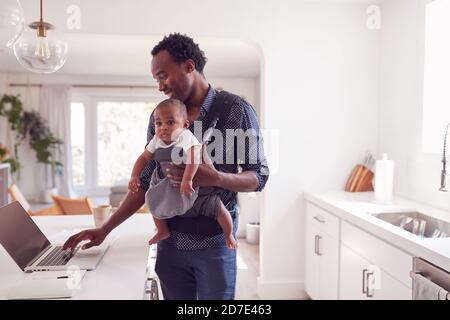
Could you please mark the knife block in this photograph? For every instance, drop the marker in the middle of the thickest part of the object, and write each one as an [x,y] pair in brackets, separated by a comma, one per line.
[360,180]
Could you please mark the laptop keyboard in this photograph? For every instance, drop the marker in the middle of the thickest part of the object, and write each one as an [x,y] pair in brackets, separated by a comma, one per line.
[57,257]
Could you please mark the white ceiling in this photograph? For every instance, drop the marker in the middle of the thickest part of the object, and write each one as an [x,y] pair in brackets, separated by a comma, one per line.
[93,54]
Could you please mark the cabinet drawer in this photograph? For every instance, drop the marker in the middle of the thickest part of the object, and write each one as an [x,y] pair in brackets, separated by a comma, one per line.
[392,260]
[326,221]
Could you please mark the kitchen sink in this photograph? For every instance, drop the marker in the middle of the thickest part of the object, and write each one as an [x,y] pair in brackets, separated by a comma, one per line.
[417,223]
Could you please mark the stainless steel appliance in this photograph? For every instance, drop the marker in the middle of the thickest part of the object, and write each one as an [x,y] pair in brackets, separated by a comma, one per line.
[152,287]
[433,273]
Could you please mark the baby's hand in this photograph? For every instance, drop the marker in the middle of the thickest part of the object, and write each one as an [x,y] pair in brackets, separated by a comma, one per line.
[134,184]
[186,187]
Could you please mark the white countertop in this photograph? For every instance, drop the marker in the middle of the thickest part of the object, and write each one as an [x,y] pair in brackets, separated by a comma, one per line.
[356,208]
[121,274]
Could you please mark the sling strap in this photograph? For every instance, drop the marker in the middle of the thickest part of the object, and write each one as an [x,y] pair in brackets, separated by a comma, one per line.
[219,111]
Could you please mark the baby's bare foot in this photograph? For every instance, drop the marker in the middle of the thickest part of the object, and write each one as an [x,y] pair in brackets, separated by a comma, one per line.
[158,237]
[231,242]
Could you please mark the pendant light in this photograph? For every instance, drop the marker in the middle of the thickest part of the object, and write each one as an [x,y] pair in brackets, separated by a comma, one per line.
[39,49]
[12,23]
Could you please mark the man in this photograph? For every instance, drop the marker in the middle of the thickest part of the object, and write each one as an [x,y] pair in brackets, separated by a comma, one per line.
[194,262]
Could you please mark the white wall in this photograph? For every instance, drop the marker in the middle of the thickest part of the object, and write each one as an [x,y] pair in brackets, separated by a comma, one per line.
[319,92]
[417,175]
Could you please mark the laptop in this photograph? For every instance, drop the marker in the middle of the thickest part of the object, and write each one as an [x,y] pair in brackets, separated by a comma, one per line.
[32,251]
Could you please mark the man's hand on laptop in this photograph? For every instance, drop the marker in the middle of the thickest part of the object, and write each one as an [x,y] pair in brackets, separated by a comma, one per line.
[94,236]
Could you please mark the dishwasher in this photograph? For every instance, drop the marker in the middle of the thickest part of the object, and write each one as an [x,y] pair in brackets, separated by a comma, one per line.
[433,273]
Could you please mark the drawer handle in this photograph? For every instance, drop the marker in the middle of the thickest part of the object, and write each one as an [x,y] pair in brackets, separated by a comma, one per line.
[319,219]
[315,244]
[318,245]
[152,289]
[317,239]
[365,283]
[364,289]
[368,294]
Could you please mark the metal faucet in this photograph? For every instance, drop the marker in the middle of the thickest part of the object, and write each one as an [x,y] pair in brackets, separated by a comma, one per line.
[444,164]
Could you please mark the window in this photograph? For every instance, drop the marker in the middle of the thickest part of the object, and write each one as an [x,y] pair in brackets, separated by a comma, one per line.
[436,99]
[78,143]
[108,134]
[122,134]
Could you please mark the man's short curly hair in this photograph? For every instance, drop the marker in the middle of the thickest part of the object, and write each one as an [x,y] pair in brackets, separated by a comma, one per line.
[181,48]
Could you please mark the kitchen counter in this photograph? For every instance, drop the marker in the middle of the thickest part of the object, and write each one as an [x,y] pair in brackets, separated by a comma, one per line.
[356,208]
[121,274]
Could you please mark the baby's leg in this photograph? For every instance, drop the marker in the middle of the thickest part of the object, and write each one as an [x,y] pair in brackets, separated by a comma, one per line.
[162,231]
[226,222]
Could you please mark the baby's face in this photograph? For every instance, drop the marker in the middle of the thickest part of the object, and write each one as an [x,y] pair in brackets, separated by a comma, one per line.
[168,123]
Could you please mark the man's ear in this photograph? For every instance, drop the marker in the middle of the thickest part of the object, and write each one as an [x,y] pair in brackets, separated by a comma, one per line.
[186,124]
[189,66]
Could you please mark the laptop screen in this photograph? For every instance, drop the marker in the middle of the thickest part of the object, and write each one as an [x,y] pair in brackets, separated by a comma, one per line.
[19,235]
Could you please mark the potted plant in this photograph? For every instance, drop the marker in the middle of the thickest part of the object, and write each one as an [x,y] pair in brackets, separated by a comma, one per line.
[30,126]
[11,108]
[45,144]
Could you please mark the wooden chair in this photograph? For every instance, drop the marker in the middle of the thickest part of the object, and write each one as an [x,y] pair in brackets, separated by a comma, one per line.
[143,209]
[17,195]
[73,206]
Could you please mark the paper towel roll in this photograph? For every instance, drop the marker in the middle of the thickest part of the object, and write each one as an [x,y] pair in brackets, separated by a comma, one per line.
[384,180]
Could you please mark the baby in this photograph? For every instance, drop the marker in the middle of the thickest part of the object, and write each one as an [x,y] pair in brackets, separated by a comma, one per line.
[163,200]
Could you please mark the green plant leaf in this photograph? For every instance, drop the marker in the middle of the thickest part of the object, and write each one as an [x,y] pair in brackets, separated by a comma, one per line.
[32,126]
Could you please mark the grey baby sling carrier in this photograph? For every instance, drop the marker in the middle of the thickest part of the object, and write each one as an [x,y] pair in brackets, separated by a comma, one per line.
[191,222]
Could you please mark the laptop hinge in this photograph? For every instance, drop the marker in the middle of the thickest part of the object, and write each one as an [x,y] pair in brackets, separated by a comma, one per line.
[39,255]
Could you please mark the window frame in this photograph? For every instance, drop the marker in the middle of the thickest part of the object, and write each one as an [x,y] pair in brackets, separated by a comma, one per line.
[422,152]
[90,99]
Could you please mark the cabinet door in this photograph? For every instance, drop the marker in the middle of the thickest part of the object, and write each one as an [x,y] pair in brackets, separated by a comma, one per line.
[312,261]
[389,288]
[389,258]
[361,280]
[328,250]
[351,279]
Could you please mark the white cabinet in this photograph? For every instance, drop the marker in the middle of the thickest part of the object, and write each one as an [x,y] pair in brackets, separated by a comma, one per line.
[312,261]
[322,253]
[392,260]
[372,268]
[353,286]
[363,280]
[344,261]
[329,267]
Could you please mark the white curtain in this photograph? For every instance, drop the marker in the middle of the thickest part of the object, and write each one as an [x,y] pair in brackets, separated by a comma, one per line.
[54,106]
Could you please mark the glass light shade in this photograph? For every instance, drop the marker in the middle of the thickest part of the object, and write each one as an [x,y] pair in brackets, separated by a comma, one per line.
[12,22]
[41,54]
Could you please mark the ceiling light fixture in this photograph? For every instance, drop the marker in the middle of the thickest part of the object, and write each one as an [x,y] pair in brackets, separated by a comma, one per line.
[12,23]
[44,53]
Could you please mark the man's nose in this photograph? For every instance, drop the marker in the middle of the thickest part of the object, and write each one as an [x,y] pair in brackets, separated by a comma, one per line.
[162,86]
